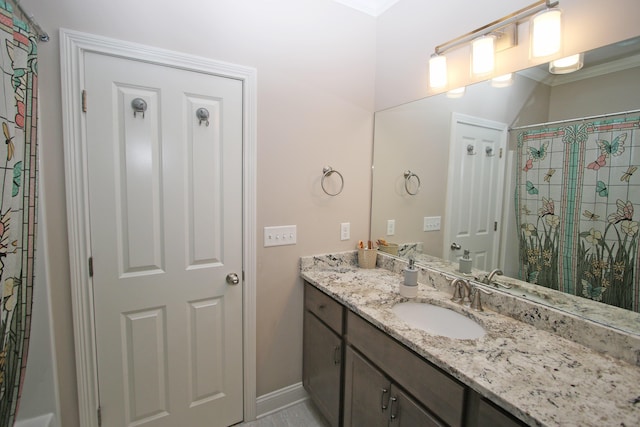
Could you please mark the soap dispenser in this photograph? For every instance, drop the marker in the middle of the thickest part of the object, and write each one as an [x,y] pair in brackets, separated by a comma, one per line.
[409,288]
[465,263]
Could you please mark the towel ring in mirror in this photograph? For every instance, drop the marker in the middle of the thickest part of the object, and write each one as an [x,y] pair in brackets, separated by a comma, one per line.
[203,116]
[407,178]
[328,171]
[139,105]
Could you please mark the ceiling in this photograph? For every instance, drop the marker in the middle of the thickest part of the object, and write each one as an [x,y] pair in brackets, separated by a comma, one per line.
[370,7]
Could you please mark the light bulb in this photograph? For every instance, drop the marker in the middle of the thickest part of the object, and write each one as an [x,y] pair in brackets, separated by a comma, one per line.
[456,93]
[567,65]
[483,55]
[502,81]
[546,33]
[437,71]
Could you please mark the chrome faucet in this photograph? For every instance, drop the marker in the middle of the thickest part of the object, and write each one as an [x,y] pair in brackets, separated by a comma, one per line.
[461,291]
[488,279]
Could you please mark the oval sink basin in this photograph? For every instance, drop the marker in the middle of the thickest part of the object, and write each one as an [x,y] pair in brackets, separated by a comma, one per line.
[438,320]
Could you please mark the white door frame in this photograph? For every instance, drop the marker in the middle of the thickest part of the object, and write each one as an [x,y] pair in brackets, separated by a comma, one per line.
[457,118]
[73,45]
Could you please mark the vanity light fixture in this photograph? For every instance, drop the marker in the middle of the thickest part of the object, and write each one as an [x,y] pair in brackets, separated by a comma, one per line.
[567,65]
[498,36]
[504,80]
[546,33]
[437,71]
[456,93]
[483,55]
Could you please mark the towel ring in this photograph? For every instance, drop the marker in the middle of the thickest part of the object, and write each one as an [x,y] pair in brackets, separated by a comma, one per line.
[407,178]
[327,171]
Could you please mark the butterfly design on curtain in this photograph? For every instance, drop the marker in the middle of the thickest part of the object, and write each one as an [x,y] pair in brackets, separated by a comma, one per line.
[536,154]
[624,212]
[613,148]
[601,189]
[547,208]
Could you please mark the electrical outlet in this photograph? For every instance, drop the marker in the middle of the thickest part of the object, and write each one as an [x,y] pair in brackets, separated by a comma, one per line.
[431,223]
[391,227]
[280,235]
[345,231]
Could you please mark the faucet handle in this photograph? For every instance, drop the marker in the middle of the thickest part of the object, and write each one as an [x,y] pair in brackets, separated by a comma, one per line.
[476,303]
[457,290]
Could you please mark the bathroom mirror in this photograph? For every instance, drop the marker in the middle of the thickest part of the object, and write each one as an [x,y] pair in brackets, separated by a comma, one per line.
[417,137]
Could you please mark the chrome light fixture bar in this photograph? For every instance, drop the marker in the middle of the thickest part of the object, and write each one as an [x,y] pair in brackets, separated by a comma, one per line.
[496,26]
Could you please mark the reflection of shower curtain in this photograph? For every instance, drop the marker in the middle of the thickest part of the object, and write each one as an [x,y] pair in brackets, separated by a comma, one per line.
[18,165]
[575,200]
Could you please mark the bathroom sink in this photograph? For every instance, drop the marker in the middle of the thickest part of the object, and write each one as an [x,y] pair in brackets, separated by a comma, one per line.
[438,320]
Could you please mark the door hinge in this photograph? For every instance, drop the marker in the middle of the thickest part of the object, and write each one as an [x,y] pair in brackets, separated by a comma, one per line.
[84,101]
[500,154]
[495,226]
[90,266]
[99,416]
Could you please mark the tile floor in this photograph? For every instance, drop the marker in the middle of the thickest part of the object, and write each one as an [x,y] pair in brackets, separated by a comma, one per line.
[303,414]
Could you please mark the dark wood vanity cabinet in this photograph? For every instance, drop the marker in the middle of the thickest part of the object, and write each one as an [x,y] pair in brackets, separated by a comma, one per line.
[357,375]
[323,352]
[441,396]
[372,399]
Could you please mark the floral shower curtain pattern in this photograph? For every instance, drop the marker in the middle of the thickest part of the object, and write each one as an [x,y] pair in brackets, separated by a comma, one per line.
[577,190]
[18,168]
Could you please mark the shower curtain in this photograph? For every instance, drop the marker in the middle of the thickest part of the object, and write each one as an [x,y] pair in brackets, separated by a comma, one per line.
[18,168]
[578,185]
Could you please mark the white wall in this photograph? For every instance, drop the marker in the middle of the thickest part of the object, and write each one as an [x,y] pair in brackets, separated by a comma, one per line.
[315,63]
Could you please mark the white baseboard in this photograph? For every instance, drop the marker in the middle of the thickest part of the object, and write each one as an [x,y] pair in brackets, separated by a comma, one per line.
[280,399]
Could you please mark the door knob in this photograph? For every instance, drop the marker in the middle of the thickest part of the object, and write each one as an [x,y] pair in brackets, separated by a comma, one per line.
[233,279]
[455,246]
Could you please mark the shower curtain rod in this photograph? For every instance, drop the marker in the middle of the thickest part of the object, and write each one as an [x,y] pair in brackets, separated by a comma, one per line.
[42,34]
[557,122]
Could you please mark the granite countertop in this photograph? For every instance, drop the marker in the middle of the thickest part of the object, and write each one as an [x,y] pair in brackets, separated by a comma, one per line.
[537,376]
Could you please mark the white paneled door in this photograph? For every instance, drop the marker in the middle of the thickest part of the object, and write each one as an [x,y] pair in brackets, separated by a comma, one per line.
[476,181]
[165,194]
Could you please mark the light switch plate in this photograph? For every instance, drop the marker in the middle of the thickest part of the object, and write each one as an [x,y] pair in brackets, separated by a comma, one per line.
[431,223]
[280,235]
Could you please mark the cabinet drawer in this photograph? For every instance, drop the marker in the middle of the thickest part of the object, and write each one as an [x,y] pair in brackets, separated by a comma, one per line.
[323,306]
[441,394]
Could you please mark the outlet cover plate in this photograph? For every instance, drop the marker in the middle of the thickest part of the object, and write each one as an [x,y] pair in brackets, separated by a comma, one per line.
[391,227]
[345,230]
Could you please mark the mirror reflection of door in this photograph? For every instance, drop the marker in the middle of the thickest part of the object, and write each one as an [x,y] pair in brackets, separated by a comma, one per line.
[477,161]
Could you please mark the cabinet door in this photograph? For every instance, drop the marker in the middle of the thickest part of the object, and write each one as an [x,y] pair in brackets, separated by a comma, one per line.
[366,393]
[405,412]
[322,352]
